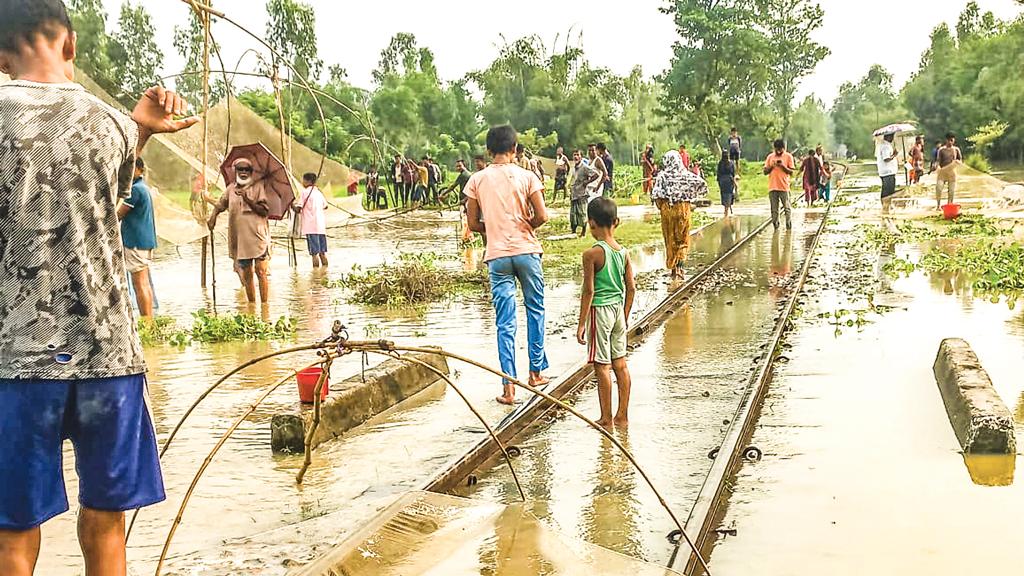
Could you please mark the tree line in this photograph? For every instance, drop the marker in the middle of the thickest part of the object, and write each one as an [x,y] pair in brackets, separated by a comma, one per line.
[735,63]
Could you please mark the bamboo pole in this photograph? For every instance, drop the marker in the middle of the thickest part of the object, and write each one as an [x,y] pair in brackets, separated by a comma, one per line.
[465,399]
[210,390]
[209,459]
[317,401]
[391,347]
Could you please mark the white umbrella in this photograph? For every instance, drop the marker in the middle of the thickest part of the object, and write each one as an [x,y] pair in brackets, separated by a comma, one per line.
[896,129]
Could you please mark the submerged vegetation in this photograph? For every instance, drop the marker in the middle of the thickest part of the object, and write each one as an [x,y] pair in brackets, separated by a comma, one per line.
[934,228]
[209,328]
[972,245]
[415,279]
[996,269]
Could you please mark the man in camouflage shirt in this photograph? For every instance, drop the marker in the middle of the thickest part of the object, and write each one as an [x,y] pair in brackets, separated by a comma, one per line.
[71,365]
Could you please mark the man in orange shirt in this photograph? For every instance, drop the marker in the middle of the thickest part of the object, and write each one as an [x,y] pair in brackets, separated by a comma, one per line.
[779,167]
[510,200]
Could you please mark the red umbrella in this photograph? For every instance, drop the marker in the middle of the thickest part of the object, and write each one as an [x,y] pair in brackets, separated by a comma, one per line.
[267,169]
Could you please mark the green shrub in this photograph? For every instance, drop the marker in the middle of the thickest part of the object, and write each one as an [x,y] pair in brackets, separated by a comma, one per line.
[415,279]
[978,162]
[237,327]
[209,328]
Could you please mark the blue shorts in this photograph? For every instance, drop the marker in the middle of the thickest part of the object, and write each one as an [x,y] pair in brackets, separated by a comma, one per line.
[317,243]
[110,427]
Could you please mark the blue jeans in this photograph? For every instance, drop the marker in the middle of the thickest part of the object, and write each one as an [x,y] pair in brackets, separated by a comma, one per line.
[504,273]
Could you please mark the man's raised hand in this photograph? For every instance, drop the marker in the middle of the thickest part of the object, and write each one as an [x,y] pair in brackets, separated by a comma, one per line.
[157,108]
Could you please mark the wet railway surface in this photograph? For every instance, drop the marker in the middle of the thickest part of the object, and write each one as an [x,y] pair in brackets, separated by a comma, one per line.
[688,377]
[248,491]
[248,516]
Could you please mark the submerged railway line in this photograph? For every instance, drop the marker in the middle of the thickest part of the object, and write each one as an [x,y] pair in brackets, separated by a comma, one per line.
[537,414]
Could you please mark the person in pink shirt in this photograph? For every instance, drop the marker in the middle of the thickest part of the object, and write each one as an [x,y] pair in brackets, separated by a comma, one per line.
[312,206]
[506,202]
[685,156]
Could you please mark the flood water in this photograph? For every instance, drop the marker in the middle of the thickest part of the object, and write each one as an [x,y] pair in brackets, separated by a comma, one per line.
[248,515]
[687,380]
[862,472]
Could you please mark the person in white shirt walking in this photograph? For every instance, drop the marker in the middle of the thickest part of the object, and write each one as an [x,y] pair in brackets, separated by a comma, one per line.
[887,168]
[311,207]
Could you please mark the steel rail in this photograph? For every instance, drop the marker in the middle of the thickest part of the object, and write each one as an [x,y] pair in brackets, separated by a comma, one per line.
[709,505]
[455,472]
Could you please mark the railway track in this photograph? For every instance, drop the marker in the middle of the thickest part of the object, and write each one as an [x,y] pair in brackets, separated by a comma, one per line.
[710,502]
[709,507]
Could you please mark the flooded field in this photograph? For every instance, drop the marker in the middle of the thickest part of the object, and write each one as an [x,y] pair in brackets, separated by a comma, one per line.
[249,517]
[248,494]
[862,471]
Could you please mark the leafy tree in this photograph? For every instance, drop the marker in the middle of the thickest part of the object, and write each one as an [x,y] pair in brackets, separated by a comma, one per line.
[559,93]
[794,53]
[968,81]
[719,64]
[90,22]
[291,32]
[413,111]
[810,125]
[640,121]
[862,108]
[135,58]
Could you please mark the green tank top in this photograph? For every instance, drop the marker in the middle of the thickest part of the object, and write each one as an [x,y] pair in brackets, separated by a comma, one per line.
[610,280]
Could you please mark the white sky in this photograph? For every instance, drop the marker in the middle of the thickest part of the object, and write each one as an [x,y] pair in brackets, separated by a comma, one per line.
[464,35]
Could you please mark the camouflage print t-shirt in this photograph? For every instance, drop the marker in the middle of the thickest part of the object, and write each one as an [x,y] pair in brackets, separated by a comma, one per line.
[65,160]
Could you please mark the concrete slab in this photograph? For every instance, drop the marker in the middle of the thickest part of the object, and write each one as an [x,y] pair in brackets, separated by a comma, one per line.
[354,401]
[981,420]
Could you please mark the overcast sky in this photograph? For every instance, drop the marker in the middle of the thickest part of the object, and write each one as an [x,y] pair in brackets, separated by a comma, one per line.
[465,35]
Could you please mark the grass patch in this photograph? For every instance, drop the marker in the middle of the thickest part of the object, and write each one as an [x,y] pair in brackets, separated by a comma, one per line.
[414,280]
[183,198]
[159,330]
[208,328]
[563,257]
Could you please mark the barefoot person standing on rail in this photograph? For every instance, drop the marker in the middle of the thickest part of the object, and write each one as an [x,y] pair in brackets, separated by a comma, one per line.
[71,364]
[511,201]
[605,304]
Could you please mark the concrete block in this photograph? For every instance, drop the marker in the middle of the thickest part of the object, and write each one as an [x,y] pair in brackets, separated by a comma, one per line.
[354,401]
[980,419]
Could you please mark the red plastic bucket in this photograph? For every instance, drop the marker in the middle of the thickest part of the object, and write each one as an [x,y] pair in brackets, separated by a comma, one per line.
[307,384]
[951,211]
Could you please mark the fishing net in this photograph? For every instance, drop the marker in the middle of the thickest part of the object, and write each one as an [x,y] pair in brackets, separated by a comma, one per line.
[974,190]
[434,534]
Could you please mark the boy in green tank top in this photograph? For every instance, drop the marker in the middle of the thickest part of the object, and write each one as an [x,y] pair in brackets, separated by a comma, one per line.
[608,291]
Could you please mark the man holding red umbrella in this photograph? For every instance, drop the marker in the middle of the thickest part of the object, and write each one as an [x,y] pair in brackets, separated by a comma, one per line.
[248,208]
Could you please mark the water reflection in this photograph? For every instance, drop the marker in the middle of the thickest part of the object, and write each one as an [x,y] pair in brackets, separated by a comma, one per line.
[685,378]
[729,235]
[991,469]
[610,519]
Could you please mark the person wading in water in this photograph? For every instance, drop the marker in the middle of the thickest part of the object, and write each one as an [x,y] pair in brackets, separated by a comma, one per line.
[247,206]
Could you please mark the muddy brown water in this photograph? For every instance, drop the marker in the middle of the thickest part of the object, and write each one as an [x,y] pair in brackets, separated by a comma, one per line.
[862,472]
[247,515]
[687,380]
